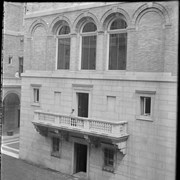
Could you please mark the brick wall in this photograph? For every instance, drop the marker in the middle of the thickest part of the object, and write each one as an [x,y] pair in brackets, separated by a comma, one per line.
[12,44]
[14,48]
[13,16]
[152,45]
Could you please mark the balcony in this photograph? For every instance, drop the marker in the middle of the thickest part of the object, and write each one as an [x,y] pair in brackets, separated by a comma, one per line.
[116,132]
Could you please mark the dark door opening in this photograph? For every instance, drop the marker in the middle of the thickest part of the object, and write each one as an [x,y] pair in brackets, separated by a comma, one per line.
[80,157]
[83,104]
[20,66]
[18,118]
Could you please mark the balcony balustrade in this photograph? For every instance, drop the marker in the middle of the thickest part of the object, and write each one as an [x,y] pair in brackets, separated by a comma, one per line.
[115,131]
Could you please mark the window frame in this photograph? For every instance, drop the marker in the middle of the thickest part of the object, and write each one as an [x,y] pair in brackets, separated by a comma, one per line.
[105,167]
[115,31]
[87,34]
[33,87]
[57,153]
[81,88]
[10,60]
[143,109]
[36,95]
[21,66]
[145,94]
[63,36]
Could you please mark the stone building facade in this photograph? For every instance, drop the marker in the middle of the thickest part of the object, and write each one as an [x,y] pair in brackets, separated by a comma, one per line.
[12,61]
[99,94]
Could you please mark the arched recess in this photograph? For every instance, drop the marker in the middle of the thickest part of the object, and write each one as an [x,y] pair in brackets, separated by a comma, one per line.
[11,112]
[84,18]
[35,24]
[150,20]
[39,34]
[112,14]
[57,22]
[155,7]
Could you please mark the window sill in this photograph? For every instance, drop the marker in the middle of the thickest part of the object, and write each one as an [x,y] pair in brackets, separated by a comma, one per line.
[35,104]
[55,154]
[108,169]
[87,69]
[144,118]
[62,69]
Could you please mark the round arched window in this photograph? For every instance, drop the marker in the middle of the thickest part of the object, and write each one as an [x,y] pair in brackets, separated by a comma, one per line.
[89,27]
[64,30]
[117,44]
[63,45]
[118,24]
[88,55]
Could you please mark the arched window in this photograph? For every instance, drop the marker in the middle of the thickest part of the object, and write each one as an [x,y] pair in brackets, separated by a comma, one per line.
[117,44]
[63,52]
[88,56]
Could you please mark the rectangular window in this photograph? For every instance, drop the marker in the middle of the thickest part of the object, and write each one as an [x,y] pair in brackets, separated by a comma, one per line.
[108,157]
[36,95]
[20,65]
[10,60]
[55,147]
[83,100]
[63,53]
[109,160]
[117,51]
[145,106]
[88,60]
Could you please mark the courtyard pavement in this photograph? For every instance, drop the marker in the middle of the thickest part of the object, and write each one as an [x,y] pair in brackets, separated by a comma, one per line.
[13,168]
[10,145]
[17,169]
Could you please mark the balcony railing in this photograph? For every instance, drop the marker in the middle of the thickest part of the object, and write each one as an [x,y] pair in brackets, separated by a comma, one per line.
[81,124]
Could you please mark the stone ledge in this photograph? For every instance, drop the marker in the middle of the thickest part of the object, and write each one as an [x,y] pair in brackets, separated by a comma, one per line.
[104,75]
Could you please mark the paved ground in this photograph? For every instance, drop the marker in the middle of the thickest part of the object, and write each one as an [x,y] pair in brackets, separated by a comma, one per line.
[10,145]
[16,169]
[13,168]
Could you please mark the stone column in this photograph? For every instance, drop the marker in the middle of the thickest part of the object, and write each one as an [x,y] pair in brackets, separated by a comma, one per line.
[131,49]
[73,52]
[100,51]
[28,53]
[51,55]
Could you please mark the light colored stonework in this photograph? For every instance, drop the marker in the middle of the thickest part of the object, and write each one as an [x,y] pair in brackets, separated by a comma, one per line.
[151,145]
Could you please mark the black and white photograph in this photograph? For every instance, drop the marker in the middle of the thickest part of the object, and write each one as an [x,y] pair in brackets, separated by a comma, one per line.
[89,90]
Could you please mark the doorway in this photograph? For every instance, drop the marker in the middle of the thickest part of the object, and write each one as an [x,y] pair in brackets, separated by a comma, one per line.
[11,112]
[20,66]
[83,101]
[80,154]
[18,118]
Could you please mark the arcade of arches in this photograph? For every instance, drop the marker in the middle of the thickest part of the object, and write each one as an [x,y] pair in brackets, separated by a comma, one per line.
[11,112]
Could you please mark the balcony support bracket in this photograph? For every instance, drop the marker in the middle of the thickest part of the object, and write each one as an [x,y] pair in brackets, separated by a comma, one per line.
[121,146]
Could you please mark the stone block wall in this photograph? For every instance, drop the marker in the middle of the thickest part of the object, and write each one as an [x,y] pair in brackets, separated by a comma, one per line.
[151,145]
[151,66]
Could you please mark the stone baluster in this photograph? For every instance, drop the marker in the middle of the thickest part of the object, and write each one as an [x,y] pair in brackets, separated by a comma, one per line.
[86,125]
[115,129]
[56,120]
[36,116]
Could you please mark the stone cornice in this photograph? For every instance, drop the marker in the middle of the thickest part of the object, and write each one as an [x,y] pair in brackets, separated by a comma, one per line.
[106,75]
[13,33]
[62,10]
[11,86]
